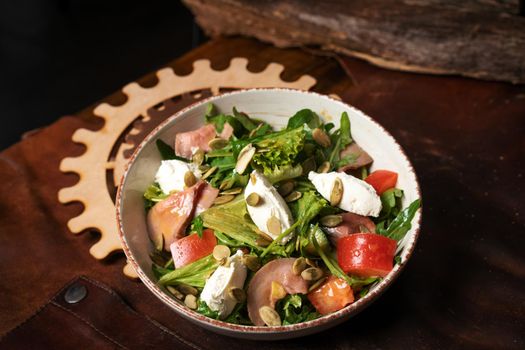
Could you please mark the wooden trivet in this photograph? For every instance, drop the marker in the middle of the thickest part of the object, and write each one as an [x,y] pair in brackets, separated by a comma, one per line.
[143,110]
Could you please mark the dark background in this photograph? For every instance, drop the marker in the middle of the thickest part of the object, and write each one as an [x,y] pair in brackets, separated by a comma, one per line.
[59,56]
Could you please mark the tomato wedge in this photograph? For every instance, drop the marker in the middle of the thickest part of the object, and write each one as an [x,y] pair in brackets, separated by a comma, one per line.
[366,254]
[331,296]
[382,180]
[190,248]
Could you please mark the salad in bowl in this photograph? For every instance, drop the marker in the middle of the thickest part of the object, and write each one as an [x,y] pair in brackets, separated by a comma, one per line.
[255,225]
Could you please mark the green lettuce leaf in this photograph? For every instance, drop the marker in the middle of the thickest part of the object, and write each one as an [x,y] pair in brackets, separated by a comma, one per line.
[194,274]
[304,116]
[296,308]
[285,172]
[153,195]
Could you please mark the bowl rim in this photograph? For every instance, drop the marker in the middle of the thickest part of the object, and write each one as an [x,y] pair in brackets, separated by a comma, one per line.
[341,315]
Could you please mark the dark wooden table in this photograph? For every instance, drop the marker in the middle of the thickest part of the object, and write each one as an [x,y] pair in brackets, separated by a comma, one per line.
[463,288]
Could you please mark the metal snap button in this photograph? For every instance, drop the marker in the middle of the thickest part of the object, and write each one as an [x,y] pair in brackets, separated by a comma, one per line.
[75,293]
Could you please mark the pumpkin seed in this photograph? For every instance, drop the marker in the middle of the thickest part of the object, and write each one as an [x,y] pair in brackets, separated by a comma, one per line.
[308,165]
[223,199]
[312,274]
[253,199]
[292,197]
[221,252]
[175,292]
[252,262]
[198,157]
[324,168]
[237,294]
[337,192]
[299,265]
[187,289]
[278,291]
[321,138]
[311,262]
[226,184]
[217,143]
[285,188]
[191,301]
[253,179]
[204,168]
[331,220]
[269,316]
[274,225]
[261,242]
[244,158]
[189,179]
[235,190]
[209,172]
[317,284]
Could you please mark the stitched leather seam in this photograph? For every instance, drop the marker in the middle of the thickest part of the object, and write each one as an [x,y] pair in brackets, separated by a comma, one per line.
[54,303]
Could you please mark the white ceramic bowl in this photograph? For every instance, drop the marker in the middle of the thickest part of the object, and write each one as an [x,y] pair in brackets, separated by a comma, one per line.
[274,106]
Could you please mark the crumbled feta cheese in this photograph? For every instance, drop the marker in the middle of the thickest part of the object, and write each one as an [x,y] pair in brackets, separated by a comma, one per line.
[170,175]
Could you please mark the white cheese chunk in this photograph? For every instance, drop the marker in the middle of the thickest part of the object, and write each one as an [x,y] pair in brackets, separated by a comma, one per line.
[216,290]
[170,175]
[271,204]
[358,196]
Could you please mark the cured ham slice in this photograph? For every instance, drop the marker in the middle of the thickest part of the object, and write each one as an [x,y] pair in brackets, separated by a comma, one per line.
[352,223]
[206,198]
[187,142]
[167,220]
[260,287]
[352,150]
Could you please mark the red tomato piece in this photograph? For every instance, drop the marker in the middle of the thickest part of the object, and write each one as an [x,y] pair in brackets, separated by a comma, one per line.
[190,248]
[366,254]
[382,180]
[331,296]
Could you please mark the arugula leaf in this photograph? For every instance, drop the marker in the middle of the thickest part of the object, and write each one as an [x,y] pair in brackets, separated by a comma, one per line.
[296,308]
[244,120]
[167,152]
[304,116]
[344,131]
[194,274]
[153,195]
[204,309]
[340,139]
[211,110]
[239,315]
[402,223]
[197,226]
[219,120]
[159,271]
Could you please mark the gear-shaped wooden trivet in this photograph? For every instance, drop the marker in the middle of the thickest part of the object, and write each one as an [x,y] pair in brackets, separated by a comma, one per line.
[149,106]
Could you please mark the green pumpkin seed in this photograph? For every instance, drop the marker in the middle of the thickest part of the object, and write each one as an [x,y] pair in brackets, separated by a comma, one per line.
[198,157]
[209,172]
[244,158]
[317,284]
[253,199]
[274,225]
[299,265]
[269,316]
[324,168]
[331,220]
[189,179]
[217,143]
[187,289]
[191,301]
[175,292]
[223,199]
[221,252]
[286,188]
[252,262]
[312,274]
[235,190]
[308,165]
[337,192]
[237,294]
[321,138]
[226,184]
[204,168]
[292,197]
